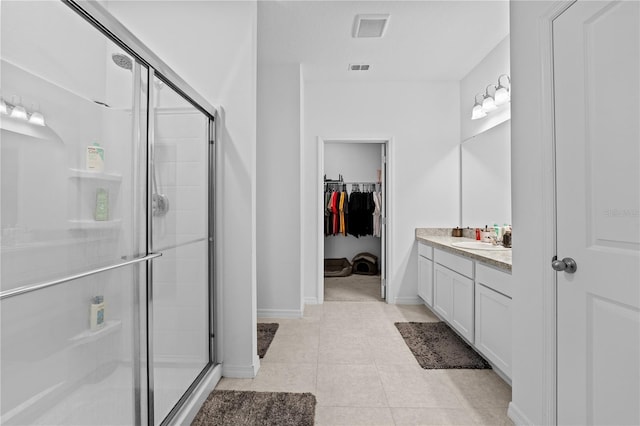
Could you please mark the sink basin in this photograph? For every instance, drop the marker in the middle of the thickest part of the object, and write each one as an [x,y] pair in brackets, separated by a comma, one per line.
[477,245]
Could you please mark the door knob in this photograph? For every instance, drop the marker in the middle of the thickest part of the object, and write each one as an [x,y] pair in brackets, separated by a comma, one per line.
[567,265]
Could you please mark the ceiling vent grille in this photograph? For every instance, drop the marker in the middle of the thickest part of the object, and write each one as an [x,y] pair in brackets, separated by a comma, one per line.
[370,26]
[359,67]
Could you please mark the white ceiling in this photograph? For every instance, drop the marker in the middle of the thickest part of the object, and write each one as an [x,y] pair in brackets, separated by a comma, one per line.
[425,40]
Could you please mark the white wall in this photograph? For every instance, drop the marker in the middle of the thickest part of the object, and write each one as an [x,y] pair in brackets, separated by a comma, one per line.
[212,45]
[356,162]
[530,174]
[486,72]
[423,120]
[278,191]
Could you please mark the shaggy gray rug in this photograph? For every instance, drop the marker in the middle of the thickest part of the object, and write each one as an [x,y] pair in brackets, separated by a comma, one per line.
[436,346]
[236,408]
[266,333]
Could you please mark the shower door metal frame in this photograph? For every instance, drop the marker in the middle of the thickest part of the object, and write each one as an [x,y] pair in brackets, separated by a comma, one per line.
[102,20]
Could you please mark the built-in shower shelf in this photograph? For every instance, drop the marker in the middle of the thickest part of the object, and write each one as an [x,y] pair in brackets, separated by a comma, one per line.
[94,224]
[88,336]
[88,174]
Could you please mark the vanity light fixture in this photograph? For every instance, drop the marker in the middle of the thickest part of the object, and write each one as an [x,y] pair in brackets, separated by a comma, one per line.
[477,111]
[503,93]
[489,103]
[3,107]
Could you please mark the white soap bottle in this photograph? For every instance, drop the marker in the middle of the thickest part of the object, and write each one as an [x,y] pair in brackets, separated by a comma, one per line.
[97,312]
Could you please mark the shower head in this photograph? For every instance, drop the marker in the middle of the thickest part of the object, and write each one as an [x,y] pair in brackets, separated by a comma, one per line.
[122,60]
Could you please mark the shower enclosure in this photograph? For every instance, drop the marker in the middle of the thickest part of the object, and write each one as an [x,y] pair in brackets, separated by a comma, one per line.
[106,254]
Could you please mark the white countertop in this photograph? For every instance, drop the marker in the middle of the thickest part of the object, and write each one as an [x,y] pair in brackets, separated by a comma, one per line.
[441,238]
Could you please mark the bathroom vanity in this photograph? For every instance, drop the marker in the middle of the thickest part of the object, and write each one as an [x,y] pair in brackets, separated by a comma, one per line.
[470,289]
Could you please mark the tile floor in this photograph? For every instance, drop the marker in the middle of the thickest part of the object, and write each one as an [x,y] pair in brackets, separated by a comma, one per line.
[352,358]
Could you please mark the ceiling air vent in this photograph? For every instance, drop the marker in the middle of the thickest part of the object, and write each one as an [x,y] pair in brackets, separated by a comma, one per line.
[370,25]
[359,67]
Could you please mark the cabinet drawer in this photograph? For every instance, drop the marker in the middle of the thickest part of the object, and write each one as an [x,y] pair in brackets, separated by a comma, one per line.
[425,250]
[456,263]
[494,279]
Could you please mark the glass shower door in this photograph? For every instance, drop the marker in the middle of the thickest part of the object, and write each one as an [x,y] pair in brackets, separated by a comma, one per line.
[180,286]
[73,241]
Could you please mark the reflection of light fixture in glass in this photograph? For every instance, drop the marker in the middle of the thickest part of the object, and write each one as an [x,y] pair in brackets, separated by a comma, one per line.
[503,93]
[3,107]
[37,118]
[489,103]
[477,111]
[18,111]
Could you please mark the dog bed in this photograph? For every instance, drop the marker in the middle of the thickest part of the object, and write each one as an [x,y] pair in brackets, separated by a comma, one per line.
[337,267]
[365,264]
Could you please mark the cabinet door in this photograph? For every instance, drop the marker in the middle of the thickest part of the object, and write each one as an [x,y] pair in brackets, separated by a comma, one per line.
[425,280]
[442,292]
[493,327]
[462,315]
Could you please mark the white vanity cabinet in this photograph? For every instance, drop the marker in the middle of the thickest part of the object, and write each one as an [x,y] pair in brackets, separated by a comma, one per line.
[453,292]
[425,273]
[493,316]
[472,297]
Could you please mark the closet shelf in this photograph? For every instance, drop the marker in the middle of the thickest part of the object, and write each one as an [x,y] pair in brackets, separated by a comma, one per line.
[88,174]
[94,224]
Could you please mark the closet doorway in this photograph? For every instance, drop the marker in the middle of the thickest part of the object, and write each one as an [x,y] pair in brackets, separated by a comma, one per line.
[353,209]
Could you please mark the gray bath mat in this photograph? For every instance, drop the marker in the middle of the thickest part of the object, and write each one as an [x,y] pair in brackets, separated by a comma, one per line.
[235,408]
[436,346]
[266,333]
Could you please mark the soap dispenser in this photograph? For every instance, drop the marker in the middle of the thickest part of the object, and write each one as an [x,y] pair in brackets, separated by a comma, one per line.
[97,313]
[506,239]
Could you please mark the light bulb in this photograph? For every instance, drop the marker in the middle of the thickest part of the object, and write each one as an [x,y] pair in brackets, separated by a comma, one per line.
[502,96]
[477,112]
[19,112]
[488,104]
[37,118]
[503,92]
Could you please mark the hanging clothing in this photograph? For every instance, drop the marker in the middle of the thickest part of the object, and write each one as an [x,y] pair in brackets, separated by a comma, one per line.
[334,213]
[327,213]
[356,213]
[377,228]
[343,205]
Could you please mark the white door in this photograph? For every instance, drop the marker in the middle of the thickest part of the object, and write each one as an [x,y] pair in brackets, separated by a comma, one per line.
[597,98]
[383,221]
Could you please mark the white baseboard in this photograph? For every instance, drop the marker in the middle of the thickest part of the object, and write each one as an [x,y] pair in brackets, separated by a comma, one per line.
[310,300]
[241,371]
[198,397]
[414,300]
[517,416]
[279,313]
